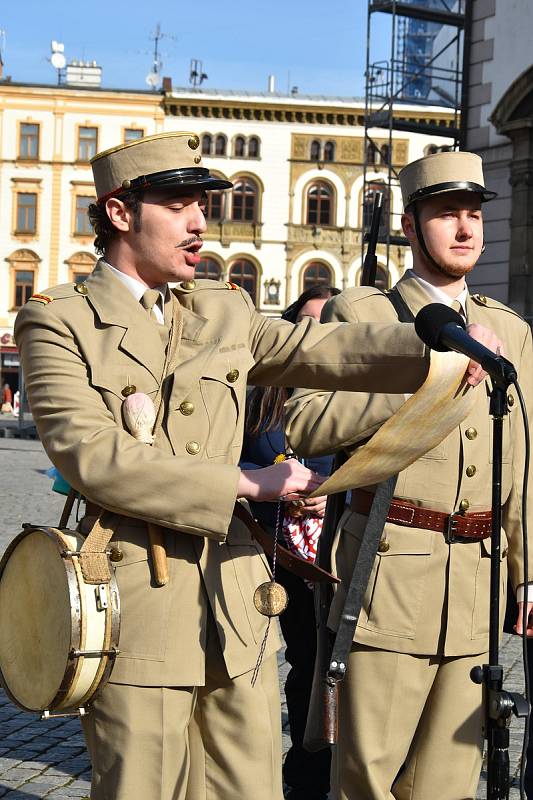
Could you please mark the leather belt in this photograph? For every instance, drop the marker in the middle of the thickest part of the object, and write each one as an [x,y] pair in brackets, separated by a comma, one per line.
[456,527]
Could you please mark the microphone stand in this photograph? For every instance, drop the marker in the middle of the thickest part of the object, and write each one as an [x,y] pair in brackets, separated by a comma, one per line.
[498,703]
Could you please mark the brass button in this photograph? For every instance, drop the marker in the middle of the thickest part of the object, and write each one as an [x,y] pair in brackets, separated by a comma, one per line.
[193,448]
[116,554]
[470,433]
[482,299]
[127,390]
[188,284]
[510,400]
[194,142]
[464,505]
[186,408]
[126,184]
[471,471]
[232,375]
[81,288]
[383,546]
[197,159]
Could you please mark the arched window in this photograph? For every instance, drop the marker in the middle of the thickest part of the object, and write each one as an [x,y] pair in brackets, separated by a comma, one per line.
[371,153]
[253,147]
[80,266]
[214,204]
[24,266]
[317,274]
[329,151]
[320,204]
[208,268]
[244,274]
[244,207]
[207,144]
[239,147]
[384,153]
[220,145]
[315,150]
[368,206]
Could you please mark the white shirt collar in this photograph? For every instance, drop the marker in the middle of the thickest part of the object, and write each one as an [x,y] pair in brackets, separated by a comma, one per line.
[437,295]
[137,288]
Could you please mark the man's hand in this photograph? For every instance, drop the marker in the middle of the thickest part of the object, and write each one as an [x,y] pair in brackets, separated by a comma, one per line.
[484,336]
[288,480]
[518,627]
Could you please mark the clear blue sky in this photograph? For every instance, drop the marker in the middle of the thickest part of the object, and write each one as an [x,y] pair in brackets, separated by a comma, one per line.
[320,45]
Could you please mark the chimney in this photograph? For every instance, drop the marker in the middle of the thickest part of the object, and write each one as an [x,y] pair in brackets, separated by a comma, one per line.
[167,84]
[84,73]
[271,84]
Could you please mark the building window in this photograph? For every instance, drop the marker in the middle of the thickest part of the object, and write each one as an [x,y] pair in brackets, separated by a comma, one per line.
[319,204]
[384,151]
[244,207]
[244,274]
[207,144]
[220,145]
[82,224]
[208,268]
[29,141]
[80,266]
[329,151]
[315,150]
[253,147]
[371,153]
[132,134]
[87,143]
[214,206]
[79,277]
[23,287]
[26,212]
[368,206]
[239,147]
[317,274]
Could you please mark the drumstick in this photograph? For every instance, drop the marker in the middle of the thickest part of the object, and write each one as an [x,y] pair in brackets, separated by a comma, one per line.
[139,415]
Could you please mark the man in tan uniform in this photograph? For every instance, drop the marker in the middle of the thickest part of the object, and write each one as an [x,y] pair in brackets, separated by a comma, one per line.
[187,649]
[407,697]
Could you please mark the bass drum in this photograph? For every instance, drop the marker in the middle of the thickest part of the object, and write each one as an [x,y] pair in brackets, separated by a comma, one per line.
[58,634]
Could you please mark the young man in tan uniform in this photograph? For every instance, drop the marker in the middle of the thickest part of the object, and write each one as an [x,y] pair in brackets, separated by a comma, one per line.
[407,697]
[188,648]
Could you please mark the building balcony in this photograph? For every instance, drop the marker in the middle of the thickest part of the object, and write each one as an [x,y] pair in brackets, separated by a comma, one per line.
[228,231]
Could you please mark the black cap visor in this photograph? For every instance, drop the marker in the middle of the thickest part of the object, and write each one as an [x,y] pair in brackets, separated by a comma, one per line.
[195,178]
[452,186]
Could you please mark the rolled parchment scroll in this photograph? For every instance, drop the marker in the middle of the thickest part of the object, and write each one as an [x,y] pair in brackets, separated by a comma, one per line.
[140,415]
[423,421]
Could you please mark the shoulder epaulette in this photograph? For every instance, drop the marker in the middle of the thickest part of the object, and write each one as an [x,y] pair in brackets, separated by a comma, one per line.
[489,302]
[41,298]
[196,284]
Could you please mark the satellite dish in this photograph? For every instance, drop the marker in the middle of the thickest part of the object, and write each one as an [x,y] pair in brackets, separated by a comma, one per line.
[58,60]
[152,79]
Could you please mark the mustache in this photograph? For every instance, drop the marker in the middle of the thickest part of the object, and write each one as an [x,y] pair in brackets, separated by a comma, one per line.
[188,242]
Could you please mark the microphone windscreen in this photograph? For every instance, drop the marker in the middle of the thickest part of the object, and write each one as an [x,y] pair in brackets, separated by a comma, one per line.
[430,321]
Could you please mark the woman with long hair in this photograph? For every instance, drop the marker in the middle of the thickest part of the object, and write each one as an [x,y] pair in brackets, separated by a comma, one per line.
[306,775]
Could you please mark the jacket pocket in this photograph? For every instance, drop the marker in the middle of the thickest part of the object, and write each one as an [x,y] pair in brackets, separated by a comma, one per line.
[223,390]
[393,597]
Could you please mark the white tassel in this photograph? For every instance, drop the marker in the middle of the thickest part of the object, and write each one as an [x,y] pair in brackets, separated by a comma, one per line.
[139,415]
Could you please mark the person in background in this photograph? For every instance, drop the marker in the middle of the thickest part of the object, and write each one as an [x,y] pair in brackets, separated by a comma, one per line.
[305,774]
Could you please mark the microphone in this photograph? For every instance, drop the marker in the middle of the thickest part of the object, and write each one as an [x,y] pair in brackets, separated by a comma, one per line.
[442,328]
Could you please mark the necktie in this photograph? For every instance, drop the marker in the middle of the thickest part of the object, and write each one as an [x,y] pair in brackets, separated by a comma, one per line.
[456,305]
[148,301]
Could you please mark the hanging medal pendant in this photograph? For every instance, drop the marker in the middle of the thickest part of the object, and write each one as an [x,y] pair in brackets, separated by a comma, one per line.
[270,599]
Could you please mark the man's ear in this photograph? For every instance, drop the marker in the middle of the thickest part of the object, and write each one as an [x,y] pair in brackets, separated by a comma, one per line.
[118,214]
[408,226]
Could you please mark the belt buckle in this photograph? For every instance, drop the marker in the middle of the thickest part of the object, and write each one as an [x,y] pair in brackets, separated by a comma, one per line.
[450,529]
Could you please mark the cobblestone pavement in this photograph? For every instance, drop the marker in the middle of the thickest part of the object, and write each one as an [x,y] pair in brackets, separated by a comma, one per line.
[48,759]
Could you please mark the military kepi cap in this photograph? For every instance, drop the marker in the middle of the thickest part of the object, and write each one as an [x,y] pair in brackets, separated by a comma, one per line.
[439,173]
[164,161]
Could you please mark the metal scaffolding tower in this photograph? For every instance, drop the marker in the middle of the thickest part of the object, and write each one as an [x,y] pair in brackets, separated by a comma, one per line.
[429,46]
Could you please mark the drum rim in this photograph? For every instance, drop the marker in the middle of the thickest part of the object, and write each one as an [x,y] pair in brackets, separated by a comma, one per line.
[56,534]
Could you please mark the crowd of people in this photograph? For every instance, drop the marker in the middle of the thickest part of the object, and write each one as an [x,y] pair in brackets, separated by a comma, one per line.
[192,711]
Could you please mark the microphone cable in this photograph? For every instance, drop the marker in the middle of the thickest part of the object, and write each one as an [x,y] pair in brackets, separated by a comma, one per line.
[525,482]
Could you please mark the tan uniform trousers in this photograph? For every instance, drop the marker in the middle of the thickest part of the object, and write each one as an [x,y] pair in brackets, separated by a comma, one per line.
[221,741]
[421,711]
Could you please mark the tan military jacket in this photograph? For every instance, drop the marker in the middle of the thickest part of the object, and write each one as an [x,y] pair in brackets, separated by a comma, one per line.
[425,596]
[81,350]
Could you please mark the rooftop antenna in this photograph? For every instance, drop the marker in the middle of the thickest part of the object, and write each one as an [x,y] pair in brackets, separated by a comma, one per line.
[153,79]
[196,73]
[57,59]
